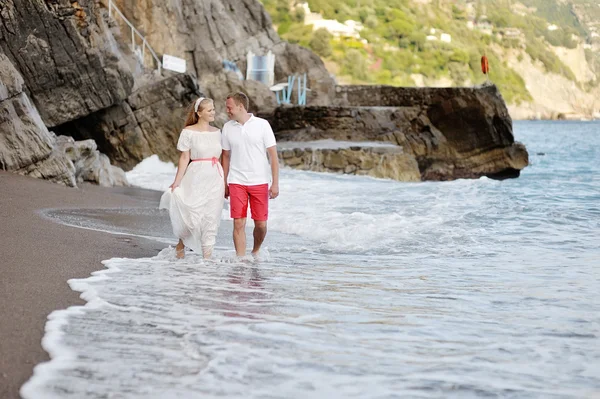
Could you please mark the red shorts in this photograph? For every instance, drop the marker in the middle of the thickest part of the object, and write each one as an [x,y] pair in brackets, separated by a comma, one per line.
[259,201]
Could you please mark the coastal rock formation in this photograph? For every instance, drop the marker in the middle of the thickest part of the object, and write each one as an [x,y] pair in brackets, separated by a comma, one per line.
[28,148]
[207,32]
[148,122]
[67,57]
[26,145]
[89,164]
[387,161]
[451,132]
[79,77]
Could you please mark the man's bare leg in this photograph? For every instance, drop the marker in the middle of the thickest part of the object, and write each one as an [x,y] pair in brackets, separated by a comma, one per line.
[260,232]
[239,236]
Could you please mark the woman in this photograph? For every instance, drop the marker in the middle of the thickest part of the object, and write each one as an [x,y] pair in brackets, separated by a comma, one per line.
[195,199]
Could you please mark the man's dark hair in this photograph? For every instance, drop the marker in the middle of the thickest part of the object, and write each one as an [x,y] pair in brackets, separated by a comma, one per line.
[240,99]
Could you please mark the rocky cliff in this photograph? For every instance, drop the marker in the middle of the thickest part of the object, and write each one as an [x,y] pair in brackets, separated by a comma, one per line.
[66,56]
[28,148]
[207,32]
[57,64]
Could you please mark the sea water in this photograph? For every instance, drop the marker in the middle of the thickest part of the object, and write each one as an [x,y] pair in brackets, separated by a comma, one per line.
[367,288]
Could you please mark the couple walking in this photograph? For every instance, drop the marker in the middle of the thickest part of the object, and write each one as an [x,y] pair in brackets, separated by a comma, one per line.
[195,199]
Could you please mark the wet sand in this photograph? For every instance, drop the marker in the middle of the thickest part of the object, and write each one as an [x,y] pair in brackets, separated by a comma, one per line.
[39,255]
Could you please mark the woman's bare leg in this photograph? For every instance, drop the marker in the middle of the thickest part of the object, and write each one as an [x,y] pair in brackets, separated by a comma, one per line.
[207,252]
[180,250]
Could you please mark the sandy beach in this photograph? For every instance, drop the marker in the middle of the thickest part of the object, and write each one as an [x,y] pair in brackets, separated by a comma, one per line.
[38,256]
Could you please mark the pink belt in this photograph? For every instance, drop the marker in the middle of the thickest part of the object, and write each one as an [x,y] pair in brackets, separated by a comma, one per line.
[214,160]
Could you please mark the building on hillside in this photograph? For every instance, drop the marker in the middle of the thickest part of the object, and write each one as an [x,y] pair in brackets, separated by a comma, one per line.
[512,36]
[349,28]
[521,9]
[484,26]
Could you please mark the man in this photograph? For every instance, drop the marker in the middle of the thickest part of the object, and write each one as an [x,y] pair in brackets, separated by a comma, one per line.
[246,141]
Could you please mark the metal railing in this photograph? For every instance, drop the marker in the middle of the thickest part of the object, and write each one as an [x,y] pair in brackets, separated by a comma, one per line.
[134,32]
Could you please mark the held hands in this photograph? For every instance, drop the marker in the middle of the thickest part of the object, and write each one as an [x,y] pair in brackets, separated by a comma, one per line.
[274,191]
[226,190]
[174,186]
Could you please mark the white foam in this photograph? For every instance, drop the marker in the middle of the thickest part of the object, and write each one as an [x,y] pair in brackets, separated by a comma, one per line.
[152,173]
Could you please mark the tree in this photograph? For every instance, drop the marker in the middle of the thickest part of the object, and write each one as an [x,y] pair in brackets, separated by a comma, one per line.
[355,64]
[320,42]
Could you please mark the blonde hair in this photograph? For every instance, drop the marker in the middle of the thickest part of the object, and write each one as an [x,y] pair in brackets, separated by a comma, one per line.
[193,110]
[240,99]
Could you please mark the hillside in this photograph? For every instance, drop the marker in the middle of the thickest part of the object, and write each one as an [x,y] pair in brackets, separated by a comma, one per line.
[543,54]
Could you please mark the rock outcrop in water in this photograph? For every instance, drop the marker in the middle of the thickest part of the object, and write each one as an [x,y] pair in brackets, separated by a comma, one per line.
[388,162]
[450,132]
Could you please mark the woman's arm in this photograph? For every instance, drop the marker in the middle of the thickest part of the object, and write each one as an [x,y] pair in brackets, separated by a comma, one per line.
[184,160]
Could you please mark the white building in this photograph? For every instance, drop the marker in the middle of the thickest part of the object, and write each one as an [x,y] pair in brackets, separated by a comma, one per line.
[349,28]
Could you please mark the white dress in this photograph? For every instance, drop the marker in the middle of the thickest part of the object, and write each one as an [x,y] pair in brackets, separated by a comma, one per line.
[195,206]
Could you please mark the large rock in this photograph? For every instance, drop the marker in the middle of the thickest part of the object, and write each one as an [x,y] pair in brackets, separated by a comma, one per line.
[90,165]
[451,132]
[351,158]
[28,148]
[26,145]
[207,32]
[66,56]
[148,122]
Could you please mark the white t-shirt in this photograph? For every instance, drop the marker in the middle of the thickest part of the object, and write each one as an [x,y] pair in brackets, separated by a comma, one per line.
[249,164]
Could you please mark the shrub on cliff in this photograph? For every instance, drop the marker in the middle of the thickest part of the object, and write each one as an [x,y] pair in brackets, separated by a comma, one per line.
[320,42]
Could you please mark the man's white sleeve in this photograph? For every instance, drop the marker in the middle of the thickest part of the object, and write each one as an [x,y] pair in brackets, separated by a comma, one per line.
[268,136]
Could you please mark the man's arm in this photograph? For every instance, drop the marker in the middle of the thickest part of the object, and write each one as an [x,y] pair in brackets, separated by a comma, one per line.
[225,157]
[274,191]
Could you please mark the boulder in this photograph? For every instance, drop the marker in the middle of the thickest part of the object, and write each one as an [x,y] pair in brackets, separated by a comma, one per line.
[89,164]
[369,159]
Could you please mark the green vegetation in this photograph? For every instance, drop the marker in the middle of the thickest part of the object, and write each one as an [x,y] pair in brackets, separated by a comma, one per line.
[394,47]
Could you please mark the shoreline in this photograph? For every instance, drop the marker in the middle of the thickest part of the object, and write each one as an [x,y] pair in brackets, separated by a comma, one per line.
[39,255]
